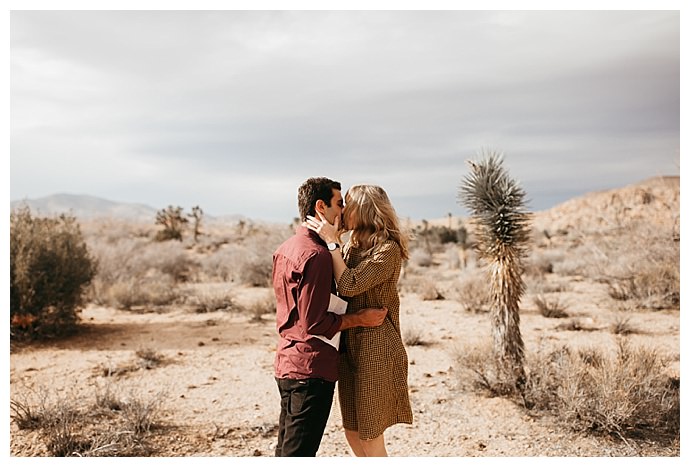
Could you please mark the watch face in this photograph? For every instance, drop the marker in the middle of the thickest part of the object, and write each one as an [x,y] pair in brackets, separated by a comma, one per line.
[332,246]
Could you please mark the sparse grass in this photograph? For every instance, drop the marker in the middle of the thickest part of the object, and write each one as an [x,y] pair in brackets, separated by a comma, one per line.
[478,369]
[427,290]
[575,324]
[628,394]
[145,359]
[207,300]
[413,337]
[264,306]
[421,258]
[550,307]
[473,293]
[111,425]
[149,358]
[621,326]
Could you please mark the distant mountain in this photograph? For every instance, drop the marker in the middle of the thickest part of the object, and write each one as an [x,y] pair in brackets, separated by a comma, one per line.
[655,201]
[84,206]
[92,207]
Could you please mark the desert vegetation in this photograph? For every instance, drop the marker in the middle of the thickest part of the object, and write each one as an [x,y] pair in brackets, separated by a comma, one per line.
[599,316]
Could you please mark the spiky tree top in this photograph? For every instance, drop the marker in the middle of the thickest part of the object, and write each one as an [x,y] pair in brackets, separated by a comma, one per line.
[497,205]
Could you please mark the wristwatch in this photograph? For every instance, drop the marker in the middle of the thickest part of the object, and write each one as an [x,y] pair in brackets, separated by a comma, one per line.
[332,246]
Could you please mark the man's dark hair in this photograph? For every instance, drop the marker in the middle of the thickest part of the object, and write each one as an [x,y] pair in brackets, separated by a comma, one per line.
[312,190]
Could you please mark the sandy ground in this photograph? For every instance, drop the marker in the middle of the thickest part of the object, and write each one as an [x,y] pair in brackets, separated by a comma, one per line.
[220,398]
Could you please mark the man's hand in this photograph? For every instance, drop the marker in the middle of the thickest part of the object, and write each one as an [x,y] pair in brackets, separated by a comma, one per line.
[372,317]
[367,317]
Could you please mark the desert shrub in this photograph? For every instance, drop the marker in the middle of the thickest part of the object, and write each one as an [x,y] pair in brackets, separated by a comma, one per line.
[621,326]
[265,305]
[472,292]
[111,425]
[538,285]
[541,262]
[550,307]
[427,290]
[655,286]
[137,272]
[421,258]
[209,300]
[627,394]
[479,370]
[247,260]
[173,221]
[132,293]
[639,261]
[414,337]
[50,268]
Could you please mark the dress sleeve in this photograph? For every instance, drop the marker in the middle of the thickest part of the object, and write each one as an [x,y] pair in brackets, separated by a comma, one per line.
[373,270]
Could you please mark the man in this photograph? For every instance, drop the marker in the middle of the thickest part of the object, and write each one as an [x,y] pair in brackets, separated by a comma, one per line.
[306,367]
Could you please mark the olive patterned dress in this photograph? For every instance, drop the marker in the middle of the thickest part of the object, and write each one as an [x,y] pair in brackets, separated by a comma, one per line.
[372,376]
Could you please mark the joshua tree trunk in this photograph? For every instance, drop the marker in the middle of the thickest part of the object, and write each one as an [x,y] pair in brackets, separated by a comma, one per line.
[501,224]
[509,349]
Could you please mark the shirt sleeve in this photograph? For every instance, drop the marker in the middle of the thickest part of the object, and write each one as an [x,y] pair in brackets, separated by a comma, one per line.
[373,270]
[314,297]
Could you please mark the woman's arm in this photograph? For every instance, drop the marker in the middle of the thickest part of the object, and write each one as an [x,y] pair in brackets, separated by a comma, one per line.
[373,270]
[329,234]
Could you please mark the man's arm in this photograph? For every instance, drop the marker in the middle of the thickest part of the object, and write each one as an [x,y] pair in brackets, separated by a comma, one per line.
[368,318]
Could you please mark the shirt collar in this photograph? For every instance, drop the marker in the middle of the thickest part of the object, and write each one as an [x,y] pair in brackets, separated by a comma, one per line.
[307,232]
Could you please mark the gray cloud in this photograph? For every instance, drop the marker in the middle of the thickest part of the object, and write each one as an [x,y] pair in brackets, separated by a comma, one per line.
[231,110]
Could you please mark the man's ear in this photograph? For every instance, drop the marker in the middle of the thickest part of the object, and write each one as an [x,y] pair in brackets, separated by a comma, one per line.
[320,206]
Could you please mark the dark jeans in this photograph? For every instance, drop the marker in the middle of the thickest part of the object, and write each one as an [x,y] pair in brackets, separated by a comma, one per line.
[304,409]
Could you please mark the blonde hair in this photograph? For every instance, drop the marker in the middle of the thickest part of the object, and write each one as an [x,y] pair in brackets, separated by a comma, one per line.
[375,219]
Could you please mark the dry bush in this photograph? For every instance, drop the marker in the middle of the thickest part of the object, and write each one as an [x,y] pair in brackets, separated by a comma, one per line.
[577,324]
[129,294]
[479,370]
[413,337]
[50,269]
[639,261]
[628,394]
[207,300]
[136,272]
[420,258]
[550,307]
[472,292]
[427,290]
[540,285]
[145,359]
[657,286]
[248,259]
[541,262]
[111,425]
[265,305]
[621,326]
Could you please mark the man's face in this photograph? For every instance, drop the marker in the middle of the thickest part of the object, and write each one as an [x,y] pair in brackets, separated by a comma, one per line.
[335,209]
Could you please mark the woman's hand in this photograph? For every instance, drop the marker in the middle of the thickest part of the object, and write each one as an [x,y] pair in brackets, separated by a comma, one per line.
[327,231]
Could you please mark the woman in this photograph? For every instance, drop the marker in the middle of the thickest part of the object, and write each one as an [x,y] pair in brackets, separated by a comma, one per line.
[372,378]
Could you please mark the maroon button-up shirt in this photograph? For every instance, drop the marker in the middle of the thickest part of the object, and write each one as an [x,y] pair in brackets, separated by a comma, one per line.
[303,282]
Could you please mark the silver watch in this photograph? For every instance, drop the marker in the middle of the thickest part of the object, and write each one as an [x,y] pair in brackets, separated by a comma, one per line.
[332,246]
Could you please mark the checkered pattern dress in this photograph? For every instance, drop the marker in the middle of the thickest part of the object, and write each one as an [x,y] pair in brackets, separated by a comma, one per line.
[372,376]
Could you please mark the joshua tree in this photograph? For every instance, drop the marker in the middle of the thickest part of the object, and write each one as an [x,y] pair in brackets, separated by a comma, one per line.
[496,203]
[172,220]
[196,216]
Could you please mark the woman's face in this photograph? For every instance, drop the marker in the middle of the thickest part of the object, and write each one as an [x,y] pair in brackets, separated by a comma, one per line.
[349,220]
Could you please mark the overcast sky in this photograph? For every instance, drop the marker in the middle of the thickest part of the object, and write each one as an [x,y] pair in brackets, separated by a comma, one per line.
[232,110]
